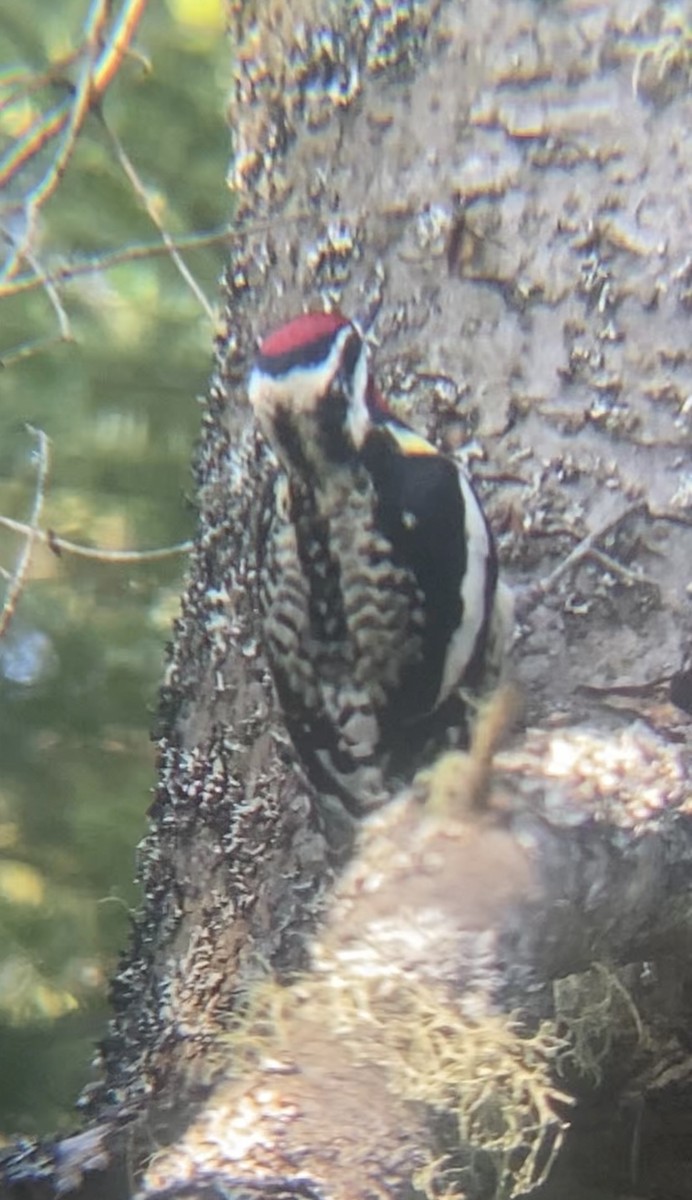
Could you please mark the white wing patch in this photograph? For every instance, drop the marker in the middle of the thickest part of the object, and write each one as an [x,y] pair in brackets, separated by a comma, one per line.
[473,591]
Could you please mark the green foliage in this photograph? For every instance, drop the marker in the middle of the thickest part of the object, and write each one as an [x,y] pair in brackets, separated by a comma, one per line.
[80,662]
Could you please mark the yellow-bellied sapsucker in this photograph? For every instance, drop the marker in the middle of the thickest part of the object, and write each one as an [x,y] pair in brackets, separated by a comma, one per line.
[377,573]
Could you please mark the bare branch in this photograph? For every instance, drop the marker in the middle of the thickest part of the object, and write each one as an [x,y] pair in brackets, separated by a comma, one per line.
[54,297]
[24,82]
[28,349]
[61,545]
[16,584]
[102,63]
[586,548]
[136,252]
[39,133]
[117,46]
[142,193]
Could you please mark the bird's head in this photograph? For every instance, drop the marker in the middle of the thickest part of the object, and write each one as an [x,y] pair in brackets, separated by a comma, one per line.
[312,391]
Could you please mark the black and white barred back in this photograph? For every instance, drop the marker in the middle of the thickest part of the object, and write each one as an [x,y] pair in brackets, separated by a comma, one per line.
[377,574]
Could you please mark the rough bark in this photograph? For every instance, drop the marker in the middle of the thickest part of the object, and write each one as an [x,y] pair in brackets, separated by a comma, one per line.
[505,186]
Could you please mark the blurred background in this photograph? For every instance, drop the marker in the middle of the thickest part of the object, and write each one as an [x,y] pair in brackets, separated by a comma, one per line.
[105,346]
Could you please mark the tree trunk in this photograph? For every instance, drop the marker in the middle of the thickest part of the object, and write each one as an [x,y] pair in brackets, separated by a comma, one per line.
[483,994]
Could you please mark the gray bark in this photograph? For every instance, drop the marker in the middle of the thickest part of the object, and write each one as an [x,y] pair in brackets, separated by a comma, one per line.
[506,186]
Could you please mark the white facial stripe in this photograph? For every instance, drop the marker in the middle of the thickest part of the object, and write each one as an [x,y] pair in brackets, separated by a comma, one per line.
[358,415]
[463,643]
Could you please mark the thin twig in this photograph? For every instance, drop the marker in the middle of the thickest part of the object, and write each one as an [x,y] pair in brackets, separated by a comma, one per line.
[143,250]
[61,545]
[54,297]
[115,258]
[580,551]
[102,64]
[142,192]
[616,568]
[40,132]
[104,262]
[16,584]
[116,47]
[68,117]
[26,350]
[24,82]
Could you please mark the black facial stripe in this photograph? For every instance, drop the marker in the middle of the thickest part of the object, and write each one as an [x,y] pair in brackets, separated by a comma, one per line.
[351,354]
[331,419]
[309,354]
[289,441]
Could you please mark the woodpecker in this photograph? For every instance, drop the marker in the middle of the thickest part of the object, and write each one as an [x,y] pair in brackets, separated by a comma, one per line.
[378,592]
